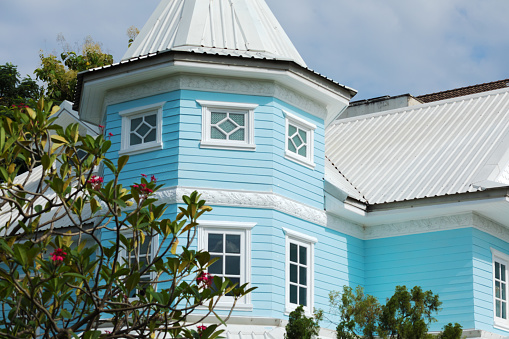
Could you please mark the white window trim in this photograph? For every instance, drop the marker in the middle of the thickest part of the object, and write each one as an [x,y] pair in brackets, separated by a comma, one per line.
[206,226]
[127,116]
[308,160]
[500,323]
[208,142]
[308,241]
[154,246]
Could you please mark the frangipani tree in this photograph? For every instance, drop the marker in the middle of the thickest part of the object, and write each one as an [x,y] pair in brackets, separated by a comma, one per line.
[89,258]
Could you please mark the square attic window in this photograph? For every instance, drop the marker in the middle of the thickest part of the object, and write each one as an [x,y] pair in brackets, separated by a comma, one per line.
[227,125]
[141,129]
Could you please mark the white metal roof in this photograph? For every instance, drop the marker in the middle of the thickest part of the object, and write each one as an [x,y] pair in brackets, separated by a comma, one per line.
[245,28]
[446,147]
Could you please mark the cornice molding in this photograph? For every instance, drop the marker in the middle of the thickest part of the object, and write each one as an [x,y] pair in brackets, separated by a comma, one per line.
[265,200]
[273,201]
[214,84]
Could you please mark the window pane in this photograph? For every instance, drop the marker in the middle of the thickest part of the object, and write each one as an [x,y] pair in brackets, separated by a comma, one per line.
[135,123]
[293,294]
[237,135]
[303,255]
[497,270]
[215,243]
[503,292]
[504,315]
[497,308]
[232,265]
[291,146]
[291,130]
[234,281]
[238,118]
[215,133]
[151,120]
[303,135]
[144,249]
[303,276]
[232,243]
[217,117]
[151,136]
[297,141]
[303,151]
[502,272]
[135,140]
[143,129]
[293,252]
[227,126]
[303,296]
[497,289]
[293,273]
[217,267]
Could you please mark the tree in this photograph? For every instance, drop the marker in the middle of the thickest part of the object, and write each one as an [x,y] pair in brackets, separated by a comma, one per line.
[13,89]
[82,255]
[60,75]
[301,327]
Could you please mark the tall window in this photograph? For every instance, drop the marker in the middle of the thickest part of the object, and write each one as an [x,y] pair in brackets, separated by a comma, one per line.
[227,125]
[230,244]
[299,140]
[500,296]
[299,270]
[141,129]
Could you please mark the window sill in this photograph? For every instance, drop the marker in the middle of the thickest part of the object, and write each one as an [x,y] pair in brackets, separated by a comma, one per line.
[141,149]
[228,146]
[300,160]
[501,326]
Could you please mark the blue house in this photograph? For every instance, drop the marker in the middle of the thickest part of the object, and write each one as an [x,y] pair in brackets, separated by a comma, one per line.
[212,96]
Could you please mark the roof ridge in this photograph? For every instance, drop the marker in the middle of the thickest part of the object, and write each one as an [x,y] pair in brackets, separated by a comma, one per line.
[466,88]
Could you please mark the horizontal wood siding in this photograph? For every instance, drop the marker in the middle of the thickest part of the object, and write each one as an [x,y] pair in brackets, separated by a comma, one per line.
[483,279]
[437,261]
[161,163]
[264,169]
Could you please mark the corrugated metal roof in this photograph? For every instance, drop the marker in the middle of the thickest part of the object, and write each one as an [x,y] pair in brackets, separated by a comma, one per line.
[441,148]
[228,27]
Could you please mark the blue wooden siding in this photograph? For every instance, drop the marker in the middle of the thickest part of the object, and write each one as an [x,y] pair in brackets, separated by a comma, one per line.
[483,278]
[436,261]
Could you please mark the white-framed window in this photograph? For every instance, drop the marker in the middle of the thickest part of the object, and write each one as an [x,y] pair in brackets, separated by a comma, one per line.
[227,125]
[500,285]
[230,242]
[143,254]
[142,129]
[299,271]
[299,140]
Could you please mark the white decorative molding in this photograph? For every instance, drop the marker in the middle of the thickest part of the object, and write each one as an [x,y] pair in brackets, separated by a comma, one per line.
[237,198]
[345,226]
[419,226]
[215,84]
[490,227]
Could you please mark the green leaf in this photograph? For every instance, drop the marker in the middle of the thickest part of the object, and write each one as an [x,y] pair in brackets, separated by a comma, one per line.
[65,314]
[122,161]
[92,335]
[132,281]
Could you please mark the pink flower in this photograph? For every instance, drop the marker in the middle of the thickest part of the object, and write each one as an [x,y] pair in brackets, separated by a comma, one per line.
[101,126]
[201,328]
[96,182]
[153,178]
[205,279]
[58,255]
[143,175]
[110,135]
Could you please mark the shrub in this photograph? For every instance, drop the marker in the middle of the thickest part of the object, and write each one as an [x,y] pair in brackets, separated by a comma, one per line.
[301,327]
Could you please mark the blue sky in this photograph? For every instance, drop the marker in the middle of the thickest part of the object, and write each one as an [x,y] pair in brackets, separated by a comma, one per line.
[378,47]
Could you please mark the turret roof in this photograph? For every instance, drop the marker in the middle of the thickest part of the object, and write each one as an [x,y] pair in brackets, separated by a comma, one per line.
[245,28]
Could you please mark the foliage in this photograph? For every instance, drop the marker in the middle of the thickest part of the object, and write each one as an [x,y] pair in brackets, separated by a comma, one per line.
[60,75]
[301,327]
[13,89]
[94,270]
[132,33]
[451,331]
[358,313]
[407,314]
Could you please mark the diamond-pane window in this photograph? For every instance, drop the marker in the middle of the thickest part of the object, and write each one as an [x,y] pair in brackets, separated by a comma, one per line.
[227,125]
[299,140]
[141,129]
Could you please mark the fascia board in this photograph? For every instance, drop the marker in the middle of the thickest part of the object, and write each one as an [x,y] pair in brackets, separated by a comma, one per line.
[97,85]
